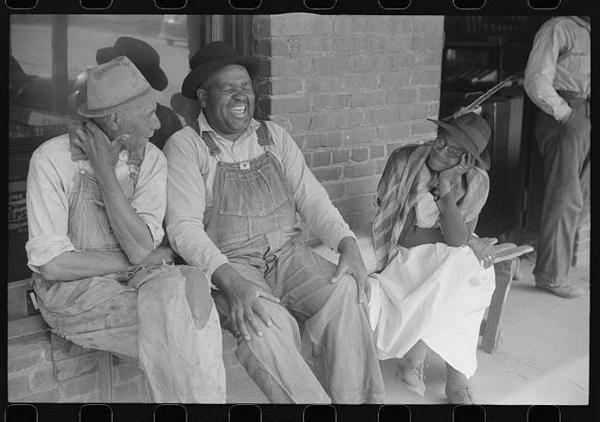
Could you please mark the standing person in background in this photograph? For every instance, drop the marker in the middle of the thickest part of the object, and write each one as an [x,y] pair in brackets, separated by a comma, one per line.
[557,79]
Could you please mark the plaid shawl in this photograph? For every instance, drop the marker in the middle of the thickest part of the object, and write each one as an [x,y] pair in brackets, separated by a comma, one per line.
[397,194]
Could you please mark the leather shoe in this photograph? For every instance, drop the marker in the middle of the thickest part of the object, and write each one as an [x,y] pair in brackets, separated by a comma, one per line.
[413,377]
[567,291]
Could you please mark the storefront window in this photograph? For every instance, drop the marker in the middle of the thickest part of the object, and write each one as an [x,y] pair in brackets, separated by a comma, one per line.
[48,57]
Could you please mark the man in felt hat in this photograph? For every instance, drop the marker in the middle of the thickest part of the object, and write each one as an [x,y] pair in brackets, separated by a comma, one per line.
[94,222]
[557,79]
[147,60]
[234,190]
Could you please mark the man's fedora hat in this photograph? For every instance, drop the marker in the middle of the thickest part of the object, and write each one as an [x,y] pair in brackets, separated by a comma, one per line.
[210,59]
[143,56]
[473,133]
[115,86]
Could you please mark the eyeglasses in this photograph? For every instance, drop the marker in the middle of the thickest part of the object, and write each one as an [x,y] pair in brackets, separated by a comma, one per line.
[441,144]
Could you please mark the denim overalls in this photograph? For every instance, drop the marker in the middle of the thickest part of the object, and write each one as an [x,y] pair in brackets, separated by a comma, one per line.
[146,316]
[253,222]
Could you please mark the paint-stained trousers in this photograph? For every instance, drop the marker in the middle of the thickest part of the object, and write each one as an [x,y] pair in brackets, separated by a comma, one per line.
[163,315]
[565,148]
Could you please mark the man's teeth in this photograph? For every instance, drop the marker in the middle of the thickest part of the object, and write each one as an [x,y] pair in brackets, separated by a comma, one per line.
[239,109]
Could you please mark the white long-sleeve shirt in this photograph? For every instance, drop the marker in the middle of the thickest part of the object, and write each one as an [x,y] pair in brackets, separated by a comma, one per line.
[559,60]
[190,189]
[49,184]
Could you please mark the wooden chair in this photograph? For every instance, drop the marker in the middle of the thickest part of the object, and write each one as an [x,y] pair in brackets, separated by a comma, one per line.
[506,266]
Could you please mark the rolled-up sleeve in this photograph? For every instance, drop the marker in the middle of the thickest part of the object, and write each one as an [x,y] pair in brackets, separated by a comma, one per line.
[150,197]
[541,70]
[186,202]
[47,213]
[312,200]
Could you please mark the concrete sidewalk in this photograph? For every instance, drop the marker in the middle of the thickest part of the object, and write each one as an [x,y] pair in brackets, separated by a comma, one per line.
[543,357]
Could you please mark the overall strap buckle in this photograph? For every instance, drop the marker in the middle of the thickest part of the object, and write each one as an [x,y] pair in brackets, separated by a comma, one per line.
[213,148]
[263,134]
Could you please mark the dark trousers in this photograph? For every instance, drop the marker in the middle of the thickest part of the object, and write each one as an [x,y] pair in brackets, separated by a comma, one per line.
[565,148]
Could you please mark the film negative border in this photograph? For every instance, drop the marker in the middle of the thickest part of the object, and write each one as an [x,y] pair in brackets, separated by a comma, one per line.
[435,7]
[341,413]
[271,413]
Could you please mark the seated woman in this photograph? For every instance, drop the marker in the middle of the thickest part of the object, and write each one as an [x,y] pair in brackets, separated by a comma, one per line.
[434,279]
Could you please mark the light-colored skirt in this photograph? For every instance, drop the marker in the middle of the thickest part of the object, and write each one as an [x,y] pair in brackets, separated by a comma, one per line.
[435,293]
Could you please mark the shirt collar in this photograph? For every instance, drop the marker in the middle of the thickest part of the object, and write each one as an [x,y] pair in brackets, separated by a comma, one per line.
[204,126]
[581,22]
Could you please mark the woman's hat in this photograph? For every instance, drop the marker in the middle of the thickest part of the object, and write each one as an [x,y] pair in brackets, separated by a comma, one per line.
[210,59]
[115,86]
[143,56]
[473,133]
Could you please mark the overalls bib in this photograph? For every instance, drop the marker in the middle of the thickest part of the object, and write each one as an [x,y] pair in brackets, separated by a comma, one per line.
[251,197]
[82,306]
[144,314]
[253,222]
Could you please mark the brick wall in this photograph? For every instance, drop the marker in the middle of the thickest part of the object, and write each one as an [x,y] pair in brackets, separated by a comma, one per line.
[350,89]
[43,367]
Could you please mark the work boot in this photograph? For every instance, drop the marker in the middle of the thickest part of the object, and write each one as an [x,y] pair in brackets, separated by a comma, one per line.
[567,291]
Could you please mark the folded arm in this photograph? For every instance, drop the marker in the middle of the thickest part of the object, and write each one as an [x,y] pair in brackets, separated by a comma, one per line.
[49,249]
[75,265]
[130,230]
[452,233]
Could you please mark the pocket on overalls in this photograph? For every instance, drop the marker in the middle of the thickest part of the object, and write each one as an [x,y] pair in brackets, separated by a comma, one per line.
[88,222]
[255,194]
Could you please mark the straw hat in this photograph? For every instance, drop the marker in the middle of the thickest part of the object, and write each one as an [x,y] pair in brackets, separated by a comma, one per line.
[115,86]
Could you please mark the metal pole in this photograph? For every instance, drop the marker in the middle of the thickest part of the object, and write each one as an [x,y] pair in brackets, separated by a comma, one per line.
[60,67]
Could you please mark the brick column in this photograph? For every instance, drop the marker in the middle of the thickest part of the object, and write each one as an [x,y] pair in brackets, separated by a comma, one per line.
[349,89]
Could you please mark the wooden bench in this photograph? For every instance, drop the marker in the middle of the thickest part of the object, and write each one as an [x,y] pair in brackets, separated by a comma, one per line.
[43,367]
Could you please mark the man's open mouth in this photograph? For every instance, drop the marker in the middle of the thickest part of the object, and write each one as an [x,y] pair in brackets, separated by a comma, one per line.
[239,110]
